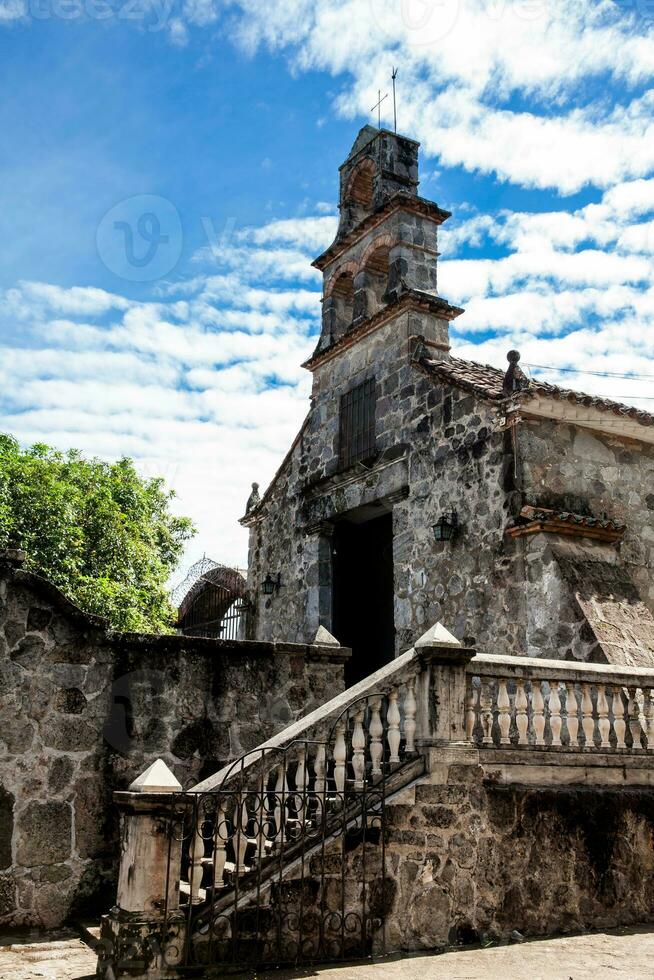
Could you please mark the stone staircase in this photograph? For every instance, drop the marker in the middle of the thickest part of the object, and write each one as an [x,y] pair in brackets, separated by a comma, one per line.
[346,827]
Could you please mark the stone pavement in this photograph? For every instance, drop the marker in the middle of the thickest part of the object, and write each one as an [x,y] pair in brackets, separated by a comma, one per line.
[56,955]
[622,953]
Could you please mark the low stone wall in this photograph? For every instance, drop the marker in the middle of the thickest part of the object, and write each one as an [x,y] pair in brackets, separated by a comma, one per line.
[84,710]
[471,860]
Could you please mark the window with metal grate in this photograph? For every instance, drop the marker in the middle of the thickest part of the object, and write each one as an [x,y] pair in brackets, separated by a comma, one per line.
[357,423]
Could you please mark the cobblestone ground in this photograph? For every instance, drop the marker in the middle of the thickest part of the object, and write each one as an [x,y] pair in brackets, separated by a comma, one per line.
[623,953]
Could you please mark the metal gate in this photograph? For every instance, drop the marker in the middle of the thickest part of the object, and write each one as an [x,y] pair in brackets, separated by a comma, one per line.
[285,863]
[217,612]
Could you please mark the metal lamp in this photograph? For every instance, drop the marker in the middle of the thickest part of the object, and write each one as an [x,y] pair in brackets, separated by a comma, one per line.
[446,526]
[271,585]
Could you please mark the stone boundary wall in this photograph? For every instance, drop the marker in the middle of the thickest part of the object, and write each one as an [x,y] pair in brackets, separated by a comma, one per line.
[83,710]
[469,860]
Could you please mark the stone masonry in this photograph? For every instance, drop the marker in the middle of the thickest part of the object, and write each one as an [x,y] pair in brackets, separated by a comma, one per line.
[450,435]
[84,710]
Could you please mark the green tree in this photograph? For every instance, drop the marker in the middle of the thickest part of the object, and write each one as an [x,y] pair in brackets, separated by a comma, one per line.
[98,531]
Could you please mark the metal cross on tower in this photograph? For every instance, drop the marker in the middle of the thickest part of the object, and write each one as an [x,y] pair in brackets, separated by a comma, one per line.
[377,106]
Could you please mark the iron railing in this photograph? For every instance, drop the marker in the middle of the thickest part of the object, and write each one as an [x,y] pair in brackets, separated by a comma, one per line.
[285,862]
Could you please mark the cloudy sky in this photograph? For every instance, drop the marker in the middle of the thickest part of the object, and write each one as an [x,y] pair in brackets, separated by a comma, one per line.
[168,169]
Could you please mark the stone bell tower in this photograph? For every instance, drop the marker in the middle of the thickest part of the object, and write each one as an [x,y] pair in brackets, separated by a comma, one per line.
[383,261]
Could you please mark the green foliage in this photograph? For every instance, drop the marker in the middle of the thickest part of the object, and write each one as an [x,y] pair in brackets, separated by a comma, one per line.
[100,532]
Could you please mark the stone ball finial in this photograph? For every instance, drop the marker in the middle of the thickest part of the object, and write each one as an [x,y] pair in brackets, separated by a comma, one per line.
[255,486]
[513,356]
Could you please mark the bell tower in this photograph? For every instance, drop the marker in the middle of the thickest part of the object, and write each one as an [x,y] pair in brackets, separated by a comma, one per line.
[383,261]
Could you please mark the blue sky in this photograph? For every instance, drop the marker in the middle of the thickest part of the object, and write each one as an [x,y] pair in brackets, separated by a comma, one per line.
[220,126]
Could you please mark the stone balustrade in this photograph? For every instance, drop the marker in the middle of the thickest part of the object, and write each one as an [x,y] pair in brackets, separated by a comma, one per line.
[236,836]
[556,705]
[378,718]
[291,794]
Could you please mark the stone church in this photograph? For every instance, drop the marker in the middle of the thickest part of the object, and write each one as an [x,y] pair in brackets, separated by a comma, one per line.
[424,488]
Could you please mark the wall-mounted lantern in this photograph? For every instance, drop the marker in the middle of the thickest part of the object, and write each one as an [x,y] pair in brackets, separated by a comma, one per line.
[446,526]
[271,585]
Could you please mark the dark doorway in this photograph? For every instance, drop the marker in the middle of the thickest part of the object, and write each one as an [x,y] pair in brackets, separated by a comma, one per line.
[363,593]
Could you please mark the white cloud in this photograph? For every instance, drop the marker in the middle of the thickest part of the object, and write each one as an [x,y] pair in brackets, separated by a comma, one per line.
[12,10]
[202,385]
[470,68]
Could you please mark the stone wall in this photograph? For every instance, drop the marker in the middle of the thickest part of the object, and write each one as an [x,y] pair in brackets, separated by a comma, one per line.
[440,450]
[471,860]
[570,469]
[84,710]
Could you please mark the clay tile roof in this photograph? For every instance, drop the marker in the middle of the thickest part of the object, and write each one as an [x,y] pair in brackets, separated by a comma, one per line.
[488,382]
[591,401]
[566,517]
[481,378]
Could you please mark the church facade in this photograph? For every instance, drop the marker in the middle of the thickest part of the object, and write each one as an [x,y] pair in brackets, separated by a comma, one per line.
[423,488]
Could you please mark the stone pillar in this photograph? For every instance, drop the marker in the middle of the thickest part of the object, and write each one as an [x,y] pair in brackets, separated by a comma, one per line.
[444,661]
[360,308]
[319,577]
[144,934]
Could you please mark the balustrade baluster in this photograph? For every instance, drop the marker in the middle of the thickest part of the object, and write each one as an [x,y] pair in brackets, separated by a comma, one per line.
[521,716]
[376,732]
[197,854]
[393,735]
[300,797]
[648,715]
[587,719]
[280,786]
[358,750]
[603,723]
[319,766]
[504,712]
[340,755]
[555,714]
[619,724]
[486,703]
[633,709]
[538,707]
[301,773]
[410,708]
[471,710]
[571,715]
[241,820]
[220,838]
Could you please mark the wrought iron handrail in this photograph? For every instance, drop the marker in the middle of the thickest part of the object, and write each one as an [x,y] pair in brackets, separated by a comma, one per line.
[275,816]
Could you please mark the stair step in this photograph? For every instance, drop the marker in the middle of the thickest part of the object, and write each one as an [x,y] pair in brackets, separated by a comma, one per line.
[395,783]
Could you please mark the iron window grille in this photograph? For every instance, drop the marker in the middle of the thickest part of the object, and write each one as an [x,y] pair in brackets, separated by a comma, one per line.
[357,423]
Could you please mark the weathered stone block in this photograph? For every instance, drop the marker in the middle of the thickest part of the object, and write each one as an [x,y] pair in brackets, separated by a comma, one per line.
[29,651]
[8,895]
[44,834]
[6,827]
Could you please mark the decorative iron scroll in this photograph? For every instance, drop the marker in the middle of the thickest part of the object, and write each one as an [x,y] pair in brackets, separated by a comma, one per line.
[285,862]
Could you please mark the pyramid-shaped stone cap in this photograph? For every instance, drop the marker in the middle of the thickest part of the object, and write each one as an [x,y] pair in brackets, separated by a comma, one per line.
[157,778]
[437,636]
[365,134]
[324,638]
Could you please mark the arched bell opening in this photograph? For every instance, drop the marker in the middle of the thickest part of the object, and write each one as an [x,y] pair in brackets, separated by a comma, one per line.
[358,197]
[343,303]
[361,186]
[376,268]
